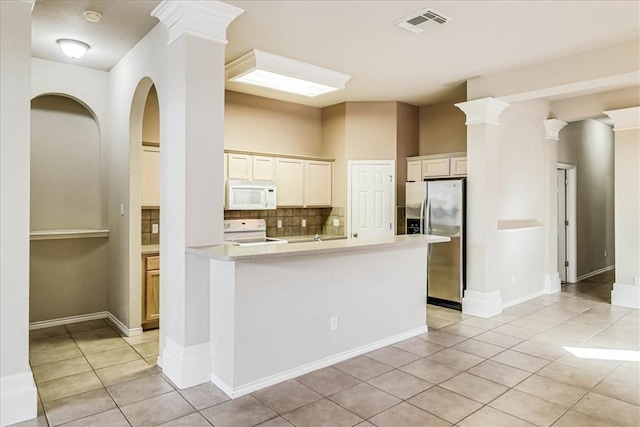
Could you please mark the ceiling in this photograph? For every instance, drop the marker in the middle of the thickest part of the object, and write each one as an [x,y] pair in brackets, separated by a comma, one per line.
[360,38]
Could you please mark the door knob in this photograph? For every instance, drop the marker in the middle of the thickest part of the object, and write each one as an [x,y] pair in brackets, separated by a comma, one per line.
[355,234]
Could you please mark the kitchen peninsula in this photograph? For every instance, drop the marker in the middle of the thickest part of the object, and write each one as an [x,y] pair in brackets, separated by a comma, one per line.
[279,311]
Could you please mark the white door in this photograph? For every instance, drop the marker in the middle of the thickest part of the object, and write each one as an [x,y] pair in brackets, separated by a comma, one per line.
[371,199]
[562,224]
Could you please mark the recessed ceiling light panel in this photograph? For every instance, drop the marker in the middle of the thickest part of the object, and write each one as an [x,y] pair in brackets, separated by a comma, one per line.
[264,69]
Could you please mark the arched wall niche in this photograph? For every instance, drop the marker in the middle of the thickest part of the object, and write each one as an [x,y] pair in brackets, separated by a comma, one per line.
[66,184]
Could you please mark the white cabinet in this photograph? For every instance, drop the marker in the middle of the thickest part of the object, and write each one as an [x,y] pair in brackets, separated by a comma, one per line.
[458,166]
[317,183]
[150,176]
[414,170]
[264,168]
[435,168]
[289,182]
[303,182]
[239,166]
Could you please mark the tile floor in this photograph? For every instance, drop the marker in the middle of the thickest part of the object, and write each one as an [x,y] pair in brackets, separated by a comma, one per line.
[510,370]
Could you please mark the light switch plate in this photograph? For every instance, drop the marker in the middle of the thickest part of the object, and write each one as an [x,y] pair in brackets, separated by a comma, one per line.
[336,223]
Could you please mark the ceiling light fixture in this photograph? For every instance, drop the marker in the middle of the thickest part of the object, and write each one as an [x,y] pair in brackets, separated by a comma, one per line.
[277,72]
[73,48]
[92,16]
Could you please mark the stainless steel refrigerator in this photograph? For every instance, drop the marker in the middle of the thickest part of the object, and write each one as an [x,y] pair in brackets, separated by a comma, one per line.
[438,207]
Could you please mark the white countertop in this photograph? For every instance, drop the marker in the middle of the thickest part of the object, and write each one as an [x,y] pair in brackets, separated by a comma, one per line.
[309,238]
[150,249]
[247,253]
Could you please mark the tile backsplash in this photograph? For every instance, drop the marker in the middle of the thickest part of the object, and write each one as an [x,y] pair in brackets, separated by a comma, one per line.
[150,216]
[319,220]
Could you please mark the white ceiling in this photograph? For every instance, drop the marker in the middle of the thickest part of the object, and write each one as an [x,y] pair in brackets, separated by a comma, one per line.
[360,38]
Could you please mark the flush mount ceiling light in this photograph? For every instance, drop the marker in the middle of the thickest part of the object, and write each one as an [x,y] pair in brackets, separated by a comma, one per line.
[277,72]
[73,48]
[92,16]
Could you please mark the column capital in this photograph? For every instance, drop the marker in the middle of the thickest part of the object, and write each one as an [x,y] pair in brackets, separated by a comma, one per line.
[552,128]
[206,19]
[484,110]
[625,118]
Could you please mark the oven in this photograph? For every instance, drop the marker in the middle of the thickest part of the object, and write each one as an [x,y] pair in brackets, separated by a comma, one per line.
[248,232]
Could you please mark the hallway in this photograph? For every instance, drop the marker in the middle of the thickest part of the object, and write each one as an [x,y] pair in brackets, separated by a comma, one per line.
[510,370]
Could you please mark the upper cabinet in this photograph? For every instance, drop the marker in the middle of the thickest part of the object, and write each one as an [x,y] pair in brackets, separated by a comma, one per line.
[436,166]
[150,176]
[300,181]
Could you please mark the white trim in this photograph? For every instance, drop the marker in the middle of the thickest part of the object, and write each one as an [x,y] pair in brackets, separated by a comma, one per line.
[484,110]
[84,318]
[392,207]
[552,128]
[205,19]
[626,295]
[18,398]
[524,299]
[482,304]
[596,272]
[571,215]
[625,118]
[186,366]
[552,283]
[309,367]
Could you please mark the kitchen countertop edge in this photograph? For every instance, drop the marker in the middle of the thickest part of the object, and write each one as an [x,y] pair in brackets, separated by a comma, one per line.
[149,249]
[248,253]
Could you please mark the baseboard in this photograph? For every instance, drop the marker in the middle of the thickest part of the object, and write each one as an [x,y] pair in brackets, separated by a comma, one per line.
[18,398]
[186,366]
[552,283]
[596,272]
[626,295]
[304,369]
[482,304]
[524,298]
[84,318]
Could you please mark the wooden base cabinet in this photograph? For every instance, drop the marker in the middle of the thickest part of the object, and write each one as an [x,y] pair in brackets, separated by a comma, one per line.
[150,291]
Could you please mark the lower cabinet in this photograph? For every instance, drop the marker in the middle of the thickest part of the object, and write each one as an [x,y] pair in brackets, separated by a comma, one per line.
[150,291]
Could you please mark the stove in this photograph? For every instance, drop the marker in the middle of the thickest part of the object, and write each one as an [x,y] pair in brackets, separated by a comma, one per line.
[248,232]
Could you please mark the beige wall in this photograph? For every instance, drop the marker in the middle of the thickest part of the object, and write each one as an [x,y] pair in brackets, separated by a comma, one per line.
[589,145]
[151,118]
[442,129]
[334,140]
[68,278]
[253,123]
[371,130]
[590,106]
[407,144]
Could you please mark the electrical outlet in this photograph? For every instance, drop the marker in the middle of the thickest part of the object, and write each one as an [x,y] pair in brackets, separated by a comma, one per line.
[304,223]
[336,223]
[154,228]
[334,323]
[279,223]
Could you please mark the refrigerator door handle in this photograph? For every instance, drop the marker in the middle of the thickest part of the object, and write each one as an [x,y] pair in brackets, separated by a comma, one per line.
[422,217]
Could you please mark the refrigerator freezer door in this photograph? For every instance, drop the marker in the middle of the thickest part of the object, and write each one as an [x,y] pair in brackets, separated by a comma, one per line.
[446,218]
[416,195]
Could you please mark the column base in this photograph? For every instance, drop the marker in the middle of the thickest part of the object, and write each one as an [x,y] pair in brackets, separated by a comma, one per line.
[18,401]
[186,366]
[626,295]
[482,304]
[552,283]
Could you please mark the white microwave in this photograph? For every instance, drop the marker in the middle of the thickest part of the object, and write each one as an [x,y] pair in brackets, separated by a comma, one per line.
[251,195]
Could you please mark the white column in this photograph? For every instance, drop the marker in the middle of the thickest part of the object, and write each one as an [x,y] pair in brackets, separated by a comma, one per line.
[18,395]
[482,298]
[626,289]
[552,277]
[191,176]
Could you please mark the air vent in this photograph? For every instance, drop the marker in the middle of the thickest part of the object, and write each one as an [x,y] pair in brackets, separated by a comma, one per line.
[418,21]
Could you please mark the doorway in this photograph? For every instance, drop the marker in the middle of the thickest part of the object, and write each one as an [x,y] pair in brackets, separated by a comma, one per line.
[371,198]
[567,246]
